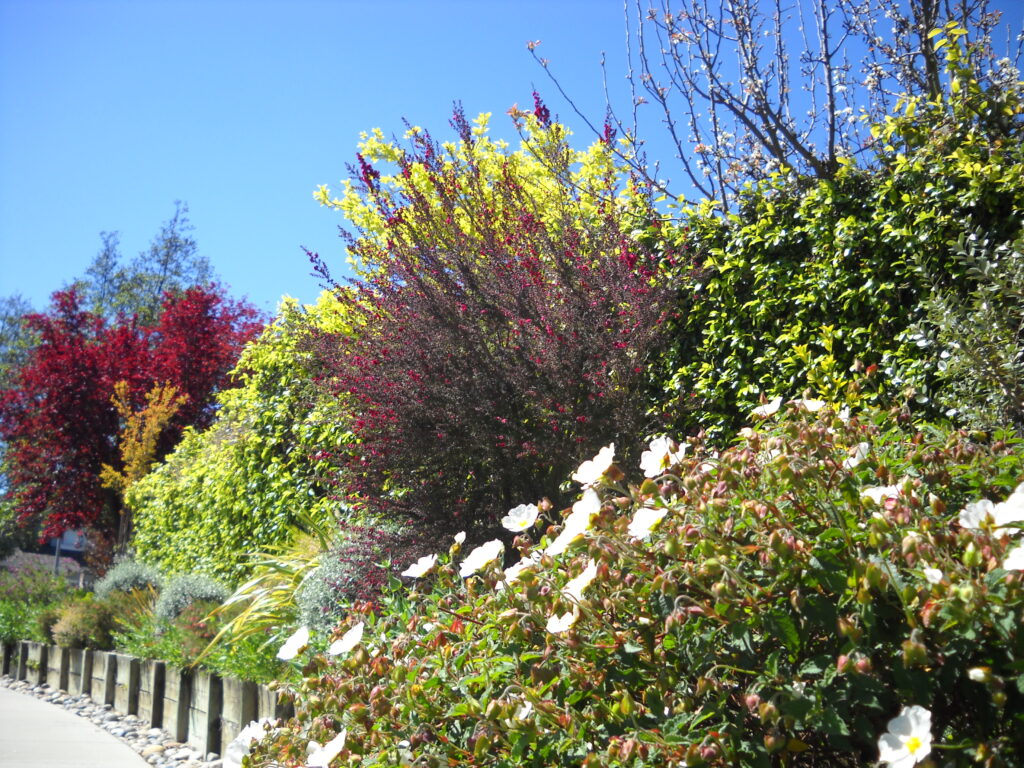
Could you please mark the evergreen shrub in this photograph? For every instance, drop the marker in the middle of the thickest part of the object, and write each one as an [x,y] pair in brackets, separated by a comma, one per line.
[779,603]
[126,576]
[183,590]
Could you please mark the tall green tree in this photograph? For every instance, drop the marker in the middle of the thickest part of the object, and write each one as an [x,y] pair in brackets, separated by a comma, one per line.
[172,263]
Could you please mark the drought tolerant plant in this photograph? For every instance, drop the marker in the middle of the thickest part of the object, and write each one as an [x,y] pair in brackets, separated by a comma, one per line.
[503,317]
[827,591]
[85,623]
[184,590]
[367,556]
[126,576]
[981,341]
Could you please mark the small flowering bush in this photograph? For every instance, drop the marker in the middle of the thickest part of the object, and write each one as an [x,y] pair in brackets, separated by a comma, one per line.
[762,606]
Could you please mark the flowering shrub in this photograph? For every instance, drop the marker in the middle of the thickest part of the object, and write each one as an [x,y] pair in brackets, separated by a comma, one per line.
[357,568]
[504,318]
[771,612]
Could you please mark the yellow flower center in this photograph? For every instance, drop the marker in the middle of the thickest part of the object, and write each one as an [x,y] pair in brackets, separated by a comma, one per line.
[913,744]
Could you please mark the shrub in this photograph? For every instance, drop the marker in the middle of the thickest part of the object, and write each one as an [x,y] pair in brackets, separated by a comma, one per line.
[126,576]
[85,623]
[808,281]
[357,569]
[777,604]
[183,590]
[15,621]
[46,618]
[238,486]
[981,340]
[28,584]
[502,319]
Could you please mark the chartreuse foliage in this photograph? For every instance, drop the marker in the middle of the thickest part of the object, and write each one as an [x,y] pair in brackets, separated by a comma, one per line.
[798,591]
[240,486]
[806,285]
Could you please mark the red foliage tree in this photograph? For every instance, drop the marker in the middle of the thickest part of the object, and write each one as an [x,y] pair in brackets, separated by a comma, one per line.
[501,337]
[57,419]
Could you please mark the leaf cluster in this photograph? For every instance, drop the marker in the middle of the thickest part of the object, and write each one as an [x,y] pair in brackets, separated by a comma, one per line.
[239,486]
[809,286]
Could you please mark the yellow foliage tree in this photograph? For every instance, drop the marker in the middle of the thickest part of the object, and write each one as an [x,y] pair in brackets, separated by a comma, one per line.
[139,440]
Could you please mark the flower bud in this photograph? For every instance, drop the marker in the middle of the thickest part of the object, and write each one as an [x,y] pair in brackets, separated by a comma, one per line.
[914,653]
[774,742]
[768,712]
[971,556]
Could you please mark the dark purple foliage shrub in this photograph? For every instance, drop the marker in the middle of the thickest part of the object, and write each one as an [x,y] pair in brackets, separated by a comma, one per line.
[505,320]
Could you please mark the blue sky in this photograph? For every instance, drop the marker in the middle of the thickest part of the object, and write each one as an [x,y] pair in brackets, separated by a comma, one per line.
[112,110]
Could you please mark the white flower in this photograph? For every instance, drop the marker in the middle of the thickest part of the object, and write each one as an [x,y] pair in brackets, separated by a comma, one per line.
[294,644]
[644,521]
[588,504]
[480,557]
[348,641]
[859,454]
[421,566]
[813,406]
[242,743]
[880,493]
[979,674]
[592,470]
[524,711]
[520,518]
[975,513]
[321,756]
[659,456]
[559,624]
[909,739]
[932,575]
[577,523]
[574,588]
[844,414]
[1014,559]
[460,537]
[1010,511]
[768,409]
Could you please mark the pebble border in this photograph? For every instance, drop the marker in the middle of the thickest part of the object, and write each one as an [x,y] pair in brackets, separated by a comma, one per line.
[155,745]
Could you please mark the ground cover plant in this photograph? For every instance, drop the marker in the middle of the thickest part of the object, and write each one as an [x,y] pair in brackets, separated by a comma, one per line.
[822,583]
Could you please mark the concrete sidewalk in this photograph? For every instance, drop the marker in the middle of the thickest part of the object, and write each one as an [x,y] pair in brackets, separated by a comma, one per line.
[35,734]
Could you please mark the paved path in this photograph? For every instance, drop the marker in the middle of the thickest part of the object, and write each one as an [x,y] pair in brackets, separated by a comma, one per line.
[34,734]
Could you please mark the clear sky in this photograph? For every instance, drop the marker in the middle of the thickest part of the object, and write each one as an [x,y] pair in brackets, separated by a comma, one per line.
[111,110]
